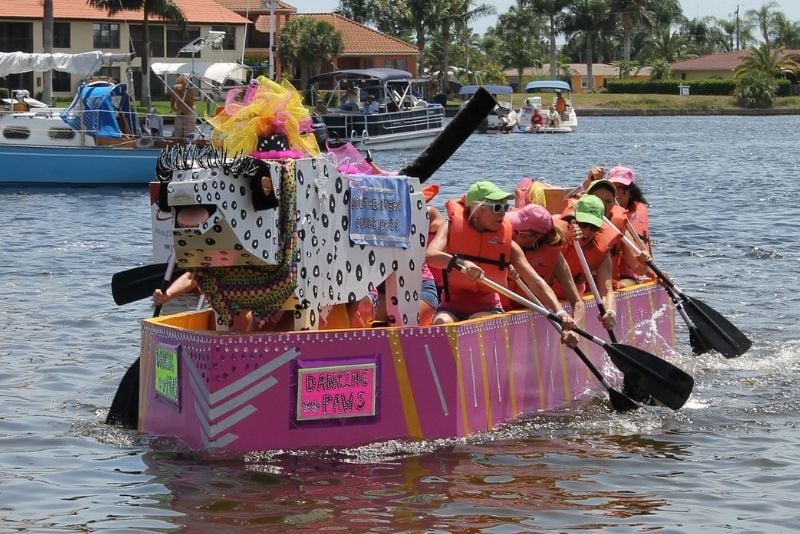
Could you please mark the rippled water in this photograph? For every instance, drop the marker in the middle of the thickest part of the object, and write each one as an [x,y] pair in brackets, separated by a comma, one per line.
[723,215]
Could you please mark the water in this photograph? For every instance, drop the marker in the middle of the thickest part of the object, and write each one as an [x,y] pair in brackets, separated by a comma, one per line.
[722,192]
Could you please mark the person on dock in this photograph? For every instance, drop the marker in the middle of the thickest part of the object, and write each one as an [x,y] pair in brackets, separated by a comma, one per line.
[479,239]
[181,102]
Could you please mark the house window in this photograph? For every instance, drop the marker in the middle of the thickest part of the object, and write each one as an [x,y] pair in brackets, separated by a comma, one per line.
[229,41]
[395,64]
[584,82]
[156,40]
[62,82]
[16,36]
[177,38]
[105,35]
[61,35]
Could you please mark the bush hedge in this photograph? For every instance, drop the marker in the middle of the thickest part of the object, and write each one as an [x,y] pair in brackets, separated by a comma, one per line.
[711,86]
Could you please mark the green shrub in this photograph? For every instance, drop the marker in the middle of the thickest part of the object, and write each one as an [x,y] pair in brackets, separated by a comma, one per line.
[716,87]
[756,90]
[3,92]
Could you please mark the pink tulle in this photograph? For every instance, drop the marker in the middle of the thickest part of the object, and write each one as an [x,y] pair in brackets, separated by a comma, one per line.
[277,154]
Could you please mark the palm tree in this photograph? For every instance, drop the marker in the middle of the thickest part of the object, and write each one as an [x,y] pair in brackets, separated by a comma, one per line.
[519,32]
[164,9]
[307,43]
[764,18]
[47,46]
[554,11]
[666,45]
[456,15]
[787,32]
[586,21]
[630,13]
[770,61]
[360,11]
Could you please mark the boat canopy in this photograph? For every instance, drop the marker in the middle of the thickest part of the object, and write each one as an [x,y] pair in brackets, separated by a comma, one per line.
[384,75]
[216,72]
[84,64]
[469,90]
[553,85]
[99,107]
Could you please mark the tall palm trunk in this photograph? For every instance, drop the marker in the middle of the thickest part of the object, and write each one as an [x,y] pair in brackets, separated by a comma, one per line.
[47,46]
[589,55]
[553,50]
[420,30]
[145,98]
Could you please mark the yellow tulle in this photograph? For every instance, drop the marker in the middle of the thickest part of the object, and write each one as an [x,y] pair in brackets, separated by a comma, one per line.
[271,108]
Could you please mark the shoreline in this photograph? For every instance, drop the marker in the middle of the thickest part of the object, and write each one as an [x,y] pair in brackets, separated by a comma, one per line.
[450,111]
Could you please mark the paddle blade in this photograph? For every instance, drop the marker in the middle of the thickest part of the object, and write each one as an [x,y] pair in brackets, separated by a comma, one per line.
[621,402]
[137,283]
[647,375]
[453,136]
[124,409]
[714,330]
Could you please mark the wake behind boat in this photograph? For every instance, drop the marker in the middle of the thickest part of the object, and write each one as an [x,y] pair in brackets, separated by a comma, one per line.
[399,117]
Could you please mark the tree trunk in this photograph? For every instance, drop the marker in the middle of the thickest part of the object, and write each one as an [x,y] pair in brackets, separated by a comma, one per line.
[420,29]
[553,49]
[589,55]
[144,98]
[445,53]
[47,46]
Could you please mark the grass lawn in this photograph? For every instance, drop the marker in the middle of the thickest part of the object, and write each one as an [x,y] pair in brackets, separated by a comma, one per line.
[652,102]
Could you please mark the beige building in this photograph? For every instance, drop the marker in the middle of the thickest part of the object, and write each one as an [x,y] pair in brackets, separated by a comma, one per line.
[719,65]
[578,77]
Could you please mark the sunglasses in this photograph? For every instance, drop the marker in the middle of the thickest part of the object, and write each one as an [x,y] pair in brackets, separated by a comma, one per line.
[497,207]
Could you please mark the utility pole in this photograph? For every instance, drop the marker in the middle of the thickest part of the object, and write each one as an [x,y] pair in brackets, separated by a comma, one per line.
[737,26]
[272,46]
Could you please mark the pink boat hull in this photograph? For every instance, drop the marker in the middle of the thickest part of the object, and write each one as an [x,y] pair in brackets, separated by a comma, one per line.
[340,388]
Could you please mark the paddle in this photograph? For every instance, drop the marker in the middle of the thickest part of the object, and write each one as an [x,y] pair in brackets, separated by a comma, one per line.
[124,410]
[453,136]
[664,382]
[707,327]
[138,283]
[619,401]
[587,272]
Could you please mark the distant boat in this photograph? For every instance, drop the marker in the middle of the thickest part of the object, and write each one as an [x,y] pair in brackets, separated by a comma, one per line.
[552,90]
[402,119]
[504,117]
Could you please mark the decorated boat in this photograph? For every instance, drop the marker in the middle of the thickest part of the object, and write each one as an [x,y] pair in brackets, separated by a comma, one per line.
[293,244]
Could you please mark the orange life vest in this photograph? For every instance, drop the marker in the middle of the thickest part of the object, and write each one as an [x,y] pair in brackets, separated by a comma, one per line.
[595,253]
[490,250]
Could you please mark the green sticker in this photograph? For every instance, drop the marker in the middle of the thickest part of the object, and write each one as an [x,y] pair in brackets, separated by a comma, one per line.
[167,372]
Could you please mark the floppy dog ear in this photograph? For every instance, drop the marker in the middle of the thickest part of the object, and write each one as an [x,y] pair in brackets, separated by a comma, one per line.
[262,187]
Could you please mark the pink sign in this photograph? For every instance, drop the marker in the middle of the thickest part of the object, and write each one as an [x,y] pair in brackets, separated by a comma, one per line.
[335,392]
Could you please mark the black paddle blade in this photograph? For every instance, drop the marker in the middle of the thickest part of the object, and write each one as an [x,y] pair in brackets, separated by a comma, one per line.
[124,409]
[137,283]
[621,402]
[714,330]
[647,375]
[453,136]
[696,341]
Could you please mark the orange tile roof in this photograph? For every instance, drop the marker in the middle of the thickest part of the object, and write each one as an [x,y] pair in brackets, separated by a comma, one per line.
[254,6]
[725,61]
[195,11]
[359,40]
